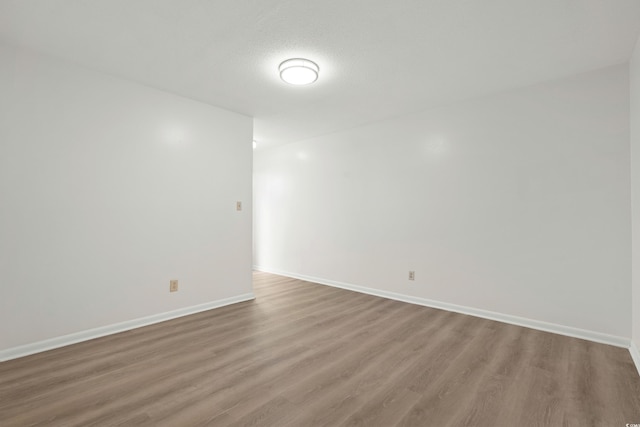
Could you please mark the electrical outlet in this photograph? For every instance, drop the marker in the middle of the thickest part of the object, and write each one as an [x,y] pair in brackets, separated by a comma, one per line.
[412,275]
[173,286]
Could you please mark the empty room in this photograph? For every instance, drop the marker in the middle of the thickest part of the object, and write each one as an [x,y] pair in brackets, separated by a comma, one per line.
[304,213]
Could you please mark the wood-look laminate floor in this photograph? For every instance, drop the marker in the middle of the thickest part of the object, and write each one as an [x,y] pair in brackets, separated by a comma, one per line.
[306,355]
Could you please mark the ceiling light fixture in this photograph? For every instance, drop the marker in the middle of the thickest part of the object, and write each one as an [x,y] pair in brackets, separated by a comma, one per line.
[299,71]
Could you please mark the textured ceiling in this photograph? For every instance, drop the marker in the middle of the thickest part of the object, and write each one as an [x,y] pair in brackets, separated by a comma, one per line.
[378,59]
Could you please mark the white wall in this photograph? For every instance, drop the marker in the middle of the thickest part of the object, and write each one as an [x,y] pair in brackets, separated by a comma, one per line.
[517,203]
[108,190]
[635,197]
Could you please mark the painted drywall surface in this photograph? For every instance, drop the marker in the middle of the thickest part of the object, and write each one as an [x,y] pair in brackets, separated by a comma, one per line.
[108,190]
[635,191]
[517,203]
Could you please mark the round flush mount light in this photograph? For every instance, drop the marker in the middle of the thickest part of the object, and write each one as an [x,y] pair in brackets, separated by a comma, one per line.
[299,71]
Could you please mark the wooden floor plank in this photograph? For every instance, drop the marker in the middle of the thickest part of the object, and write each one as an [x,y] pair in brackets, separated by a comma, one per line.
[304,354]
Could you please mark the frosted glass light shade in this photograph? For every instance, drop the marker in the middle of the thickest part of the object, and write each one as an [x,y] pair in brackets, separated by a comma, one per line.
[299,71]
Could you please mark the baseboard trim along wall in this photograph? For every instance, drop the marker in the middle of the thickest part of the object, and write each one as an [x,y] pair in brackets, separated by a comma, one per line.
[50,344]
[485,314]
[635,355]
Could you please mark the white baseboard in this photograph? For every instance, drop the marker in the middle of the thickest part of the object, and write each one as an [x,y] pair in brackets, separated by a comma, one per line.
[49,344]
[635,355]
[485,314]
